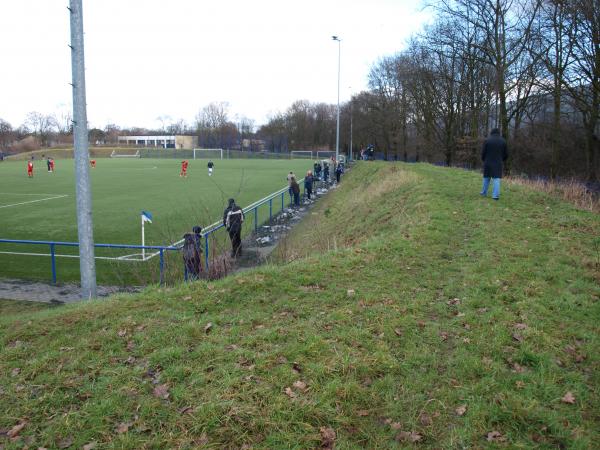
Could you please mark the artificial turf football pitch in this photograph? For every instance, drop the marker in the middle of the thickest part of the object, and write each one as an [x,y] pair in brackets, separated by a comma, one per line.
[43,208]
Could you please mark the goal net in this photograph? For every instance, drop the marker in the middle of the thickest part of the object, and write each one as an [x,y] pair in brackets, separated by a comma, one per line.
[125,154]
[208,153]
[325,154]
[303,154]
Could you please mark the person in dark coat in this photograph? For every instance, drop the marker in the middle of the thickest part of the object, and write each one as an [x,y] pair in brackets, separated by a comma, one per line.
[318,170]
[338,172]
[295,187]
[493,154]
[191,256]
[308,183]
[233,217]
[326,173]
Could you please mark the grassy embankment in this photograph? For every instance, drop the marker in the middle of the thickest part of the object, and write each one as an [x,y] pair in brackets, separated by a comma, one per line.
[436,317]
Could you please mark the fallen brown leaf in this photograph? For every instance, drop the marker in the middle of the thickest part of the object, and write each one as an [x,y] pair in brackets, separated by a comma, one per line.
[398,331]
[130,346]
[90,446]
[421,324]
[519,384]
[296,367]
[517,337]
[520,326]
[202,440]
[14,431]
[122,333]
[208,327]
[568,398]
[396,426]
[288,391]
[495,436]
[454,301]
[186,410]
[161,391]
[362,412]
[425,420]
[300,385]
[16,371]
[408,436]
[66,442]
[517,368]
[123,427]
[461,410]
[350,292]
[444,335]
[188,297]
[327,437]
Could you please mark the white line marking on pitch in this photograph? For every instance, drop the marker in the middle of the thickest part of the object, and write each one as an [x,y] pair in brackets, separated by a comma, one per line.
[34,201]
[21,193]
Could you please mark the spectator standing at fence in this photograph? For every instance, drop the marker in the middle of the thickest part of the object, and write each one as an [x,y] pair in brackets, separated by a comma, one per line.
[30,168]
[290,176]
[326,173]
[318,170]
[295,187]
[233,218]
[338,172]
[493,154]
[308,184]
[210,167]
[191,256]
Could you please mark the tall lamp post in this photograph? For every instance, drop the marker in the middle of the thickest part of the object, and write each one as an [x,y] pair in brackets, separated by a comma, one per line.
[337,134]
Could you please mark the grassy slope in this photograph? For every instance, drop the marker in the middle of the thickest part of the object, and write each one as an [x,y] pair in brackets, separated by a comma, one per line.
[401,354]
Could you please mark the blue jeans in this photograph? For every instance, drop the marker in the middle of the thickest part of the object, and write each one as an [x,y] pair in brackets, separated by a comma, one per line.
[495,189]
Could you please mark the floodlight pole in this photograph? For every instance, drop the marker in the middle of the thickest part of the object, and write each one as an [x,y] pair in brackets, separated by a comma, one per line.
[337,134]
[83,191]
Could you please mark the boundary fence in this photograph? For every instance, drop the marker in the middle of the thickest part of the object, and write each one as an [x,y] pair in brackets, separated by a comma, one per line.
[273,201]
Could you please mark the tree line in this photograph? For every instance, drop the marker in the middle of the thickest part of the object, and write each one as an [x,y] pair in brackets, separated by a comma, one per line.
[528,67]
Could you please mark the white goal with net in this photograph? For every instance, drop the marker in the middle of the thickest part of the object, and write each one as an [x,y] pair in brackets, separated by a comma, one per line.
[208,153]
[325,154]
[303,154]
[121,154]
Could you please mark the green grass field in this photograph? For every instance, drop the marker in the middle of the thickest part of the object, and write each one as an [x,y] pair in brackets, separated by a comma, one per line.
[406,312]
[43,207]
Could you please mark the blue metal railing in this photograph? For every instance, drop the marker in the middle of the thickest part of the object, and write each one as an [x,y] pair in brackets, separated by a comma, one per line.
[253,207]
[54,244]
[158,249]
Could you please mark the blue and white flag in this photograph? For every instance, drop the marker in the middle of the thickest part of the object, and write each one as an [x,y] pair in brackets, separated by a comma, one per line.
[146,216]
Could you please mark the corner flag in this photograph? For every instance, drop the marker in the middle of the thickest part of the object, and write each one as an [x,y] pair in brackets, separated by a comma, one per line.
[146,217]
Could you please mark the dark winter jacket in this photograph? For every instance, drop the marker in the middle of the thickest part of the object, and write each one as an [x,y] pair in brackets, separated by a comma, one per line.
[493,154]
[308,182]
[295,187]
[233,218]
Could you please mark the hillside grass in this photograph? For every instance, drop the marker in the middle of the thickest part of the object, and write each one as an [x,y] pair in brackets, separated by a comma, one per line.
[430,317]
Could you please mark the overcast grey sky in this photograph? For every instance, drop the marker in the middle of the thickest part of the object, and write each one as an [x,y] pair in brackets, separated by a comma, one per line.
[151,58]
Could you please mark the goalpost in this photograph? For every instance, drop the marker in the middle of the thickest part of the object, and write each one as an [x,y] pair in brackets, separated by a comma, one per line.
[304,154]
[114,154]
[207,152]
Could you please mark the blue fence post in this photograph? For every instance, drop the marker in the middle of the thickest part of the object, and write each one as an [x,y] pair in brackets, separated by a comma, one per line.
[270,209]
[53,259]
[256,219]
[206,251]
[162,266]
